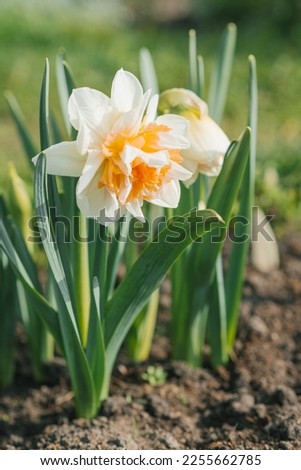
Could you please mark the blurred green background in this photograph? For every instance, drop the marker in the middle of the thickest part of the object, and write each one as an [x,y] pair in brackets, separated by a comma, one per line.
[101,36]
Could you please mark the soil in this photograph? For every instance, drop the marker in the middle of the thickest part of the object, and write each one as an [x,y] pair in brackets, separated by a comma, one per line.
[253,403]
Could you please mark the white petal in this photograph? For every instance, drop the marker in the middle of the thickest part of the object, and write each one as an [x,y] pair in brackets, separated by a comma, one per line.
[168,196]
[87,106]
[207,136]
[63,159]
[178,172]
[154,160]
[177,124]
[126,91]
[92,165]
[176,138]
[208,146]
[151,111]
[130,122]
[169,140]
[212,165]
[90,112]
[98,203]
[125,190]
[134,207]
[192,167]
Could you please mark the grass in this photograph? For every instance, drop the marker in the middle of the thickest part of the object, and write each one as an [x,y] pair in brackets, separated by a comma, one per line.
[96,50]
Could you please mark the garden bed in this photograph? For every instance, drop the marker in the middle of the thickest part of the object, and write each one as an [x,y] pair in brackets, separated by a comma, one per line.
[254,403]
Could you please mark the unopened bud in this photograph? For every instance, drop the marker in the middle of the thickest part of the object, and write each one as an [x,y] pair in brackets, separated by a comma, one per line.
[18,200]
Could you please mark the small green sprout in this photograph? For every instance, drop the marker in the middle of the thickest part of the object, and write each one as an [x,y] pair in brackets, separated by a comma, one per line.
[154,376]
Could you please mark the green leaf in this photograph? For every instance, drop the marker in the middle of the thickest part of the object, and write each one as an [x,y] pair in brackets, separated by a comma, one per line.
[221,199]
[95,351]
[100,264]
[48,314]
[148,72]
[116,251]
[23,252]
[27,141]
[239,252]
[147,273]
[81,278]
[221,73]
[65,86]
[52,197]
[48,238]
[33,324]
[55,130]
[8,317]
[193,63]
[217,317]
[44,109]
[63,89]
[201,75]
[140,337]
[83,385]
[35,328]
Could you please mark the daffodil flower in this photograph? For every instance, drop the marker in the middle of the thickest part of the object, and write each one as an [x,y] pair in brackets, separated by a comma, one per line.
[123,154]
[208,142]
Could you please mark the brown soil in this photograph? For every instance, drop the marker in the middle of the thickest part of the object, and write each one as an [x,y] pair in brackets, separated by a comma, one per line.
[254,403]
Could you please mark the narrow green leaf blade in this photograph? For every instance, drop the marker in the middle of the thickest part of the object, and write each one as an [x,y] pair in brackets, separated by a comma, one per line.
[116,251]
[193,63]
[55,130]
[217,318]
[22,250]
[221,199]
[82,381]
[100,264]
[148,71]
[65,85]
[27,141]
[63,89]
[147,273]
[33,324]
[53,198]
[95,351]
[48,314]
[239,253]
[8,317]
[48,239]
[44,109]
[201,75]
[53,195]
[221,74]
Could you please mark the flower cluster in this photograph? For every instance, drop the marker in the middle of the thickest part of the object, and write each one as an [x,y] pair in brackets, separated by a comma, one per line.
[124,154]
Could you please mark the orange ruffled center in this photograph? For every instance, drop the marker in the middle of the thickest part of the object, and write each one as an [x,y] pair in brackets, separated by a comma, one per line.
[145,180]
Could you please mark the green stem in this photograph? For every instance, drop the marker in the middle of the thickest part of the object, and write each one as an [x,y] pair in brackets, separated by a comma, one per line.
[85,409]
[181,304]
[7,346]
[141,336]
[81,279]
[194,351]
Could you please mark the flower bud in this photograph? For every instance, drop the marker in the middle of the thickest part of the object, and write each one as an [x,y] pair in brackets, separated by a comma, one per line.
[19,201]
[208,142]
